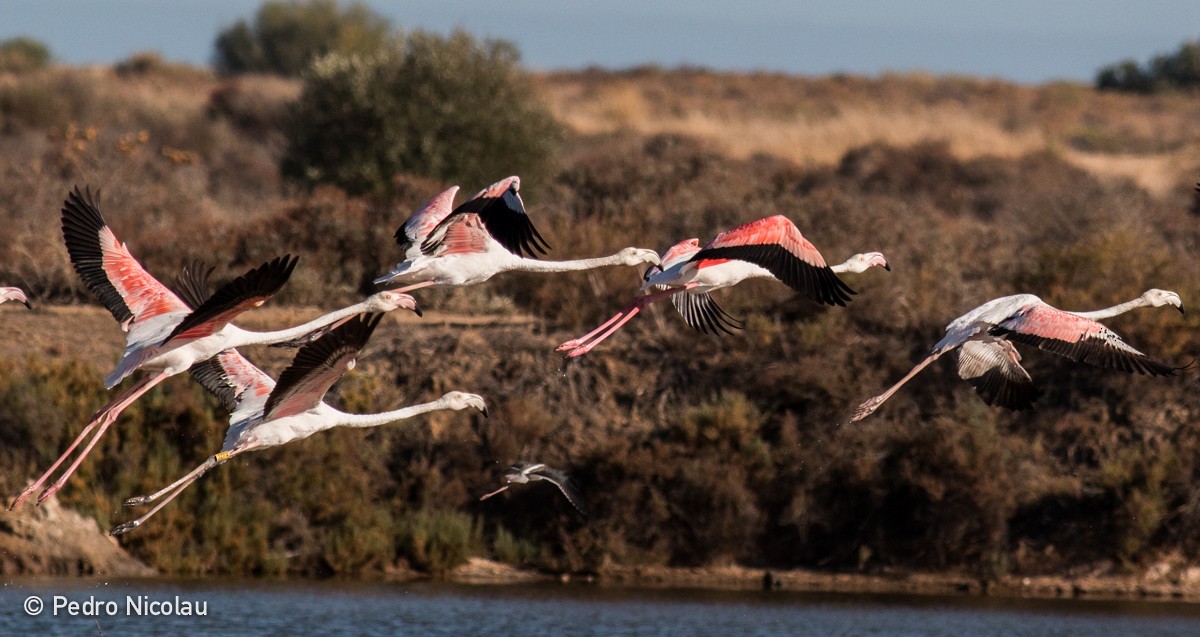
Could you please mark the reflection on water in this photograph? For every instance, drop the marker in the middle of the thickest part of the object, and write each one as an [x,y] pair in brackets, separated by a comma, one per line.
[352,608]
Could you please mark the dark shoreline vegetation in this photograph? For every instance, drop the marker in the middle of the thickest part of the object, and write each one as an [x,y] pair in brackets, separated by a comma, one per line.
[691,450]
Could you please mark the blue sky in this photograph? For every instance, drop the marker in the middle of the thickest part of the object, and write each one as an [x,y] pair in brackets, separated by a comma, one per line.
[1022,40]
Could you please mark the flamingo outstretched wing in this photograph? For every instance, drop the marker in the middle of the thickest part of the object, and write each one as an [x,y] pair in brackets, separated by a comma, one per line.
[1077,338]
[318,366]
[250,290]
[994,369]
[564,484]
[425,219]
[776,244]
[502,214]
[14,294]
[107,268]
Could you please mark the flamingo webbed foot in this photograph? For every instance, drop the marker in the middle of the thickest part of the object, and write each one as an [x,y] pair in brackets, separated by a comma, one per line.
[569,345]
[866,409]
[125,528]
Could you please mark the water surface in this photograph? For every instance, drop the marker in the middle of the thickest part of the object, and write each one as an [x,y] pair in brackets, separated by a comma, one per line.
[336,608]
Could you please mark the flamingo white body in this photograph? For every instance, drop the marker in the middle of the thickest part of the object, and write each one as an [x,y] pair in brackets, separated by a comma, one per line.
[14,294]
[167,335]
[991,364]
[770,248]
[178,354]
[265,414]
[488,234]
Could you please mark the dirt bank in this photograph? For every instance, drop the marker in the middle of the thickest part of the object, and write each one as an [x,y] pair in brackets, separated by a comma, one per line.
[51,540]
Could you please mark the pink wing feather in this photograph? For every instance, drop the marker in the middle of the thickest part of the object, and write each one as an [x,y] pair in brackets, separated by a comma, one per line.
[108,269]
[426,218]
[775,244]
[465,234]
[1077,338]
[777,230]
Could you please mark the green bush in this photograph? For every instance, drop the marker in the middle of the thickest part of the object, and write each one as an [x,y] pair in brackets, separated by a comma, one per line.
[511,549]
[18,55]
[451,108]
[1176,71]
[287,36]
[437,541]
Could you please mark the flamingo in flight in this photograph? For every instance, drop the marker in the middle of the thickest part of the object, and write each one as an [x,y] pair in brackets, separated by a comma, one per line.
[524,472]
[265,414]
[485,235]
[14,294]
[989,362]
[168,331]
[768,248]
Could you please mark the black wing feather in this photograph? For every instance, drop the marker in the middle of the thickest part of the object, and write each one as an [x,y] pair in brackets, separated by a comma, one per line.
[1093,351]
[324,353]
[191,286]
[820,284]
[81,226]
[211,375]
[997,389]
[565,485]
[505,219]
[702,313]
[261,282]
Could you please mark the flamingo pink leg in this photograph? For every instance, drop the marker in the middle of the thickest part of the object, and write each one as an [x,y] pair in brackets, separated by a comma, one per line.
[584,349]
[179,485]
[109,418]
[103,418]
[869,407]
[97,418]
[486,496]
[623,317]
[576,342]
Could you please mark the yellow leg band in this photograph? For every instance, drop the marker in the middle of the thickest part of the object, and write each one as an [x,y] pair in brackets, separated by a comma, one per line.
[223,456]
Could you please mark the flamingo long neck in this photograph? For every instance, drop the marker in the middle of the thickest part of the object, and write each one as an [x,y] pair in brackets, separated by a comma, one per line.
[375,420]
[1114,310]
[537,265]
[246,337]
[849,265]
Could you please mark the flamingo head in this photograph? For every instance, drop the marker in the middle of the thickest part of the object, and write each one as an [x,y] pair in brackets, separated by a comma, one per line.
[638,256]
[1158,298]
[867,260]
[14,294]
[389,300]
[458,400]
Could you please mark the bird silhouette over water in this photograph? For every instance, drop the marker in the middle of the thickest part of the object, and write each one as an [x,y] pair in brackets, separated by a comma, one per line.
[524,472]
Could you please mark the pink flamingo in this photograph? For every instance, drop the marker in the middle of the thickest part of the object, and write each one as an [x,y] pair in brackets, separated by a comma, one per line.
[989,362]
[265,414]
[768,248]
[14,294]
[487,234]
[166,335]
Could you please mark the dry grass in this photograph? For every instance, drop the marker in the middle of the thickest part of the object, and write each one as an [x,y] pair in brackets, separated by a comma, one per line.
[815,121]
